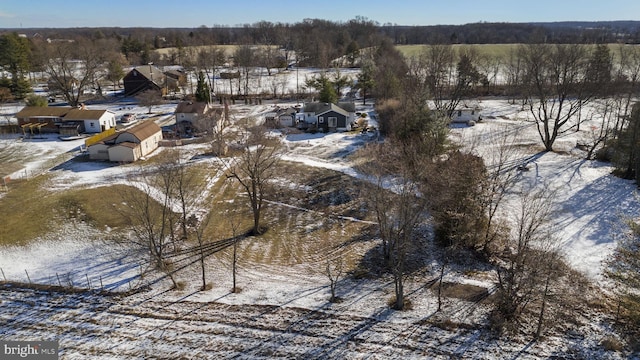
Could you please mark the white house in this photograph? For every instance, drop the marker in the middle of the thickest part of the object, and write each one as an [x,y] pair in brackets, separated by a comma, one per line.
[95,121]
[129,145]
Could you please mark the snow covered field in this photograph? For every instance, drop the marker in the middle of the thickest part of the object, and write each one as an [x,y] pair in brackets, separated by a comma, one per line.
[283,311]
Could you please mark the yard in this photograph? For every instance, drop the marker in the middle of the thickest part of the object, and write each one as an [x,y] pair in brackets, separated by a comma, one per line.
[282,309]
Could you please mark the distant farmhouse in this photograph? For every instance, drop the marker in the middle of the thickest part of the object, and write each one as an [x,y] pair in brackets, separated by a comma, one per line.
[67,121]
[149,77]
[142,78]
[129,145]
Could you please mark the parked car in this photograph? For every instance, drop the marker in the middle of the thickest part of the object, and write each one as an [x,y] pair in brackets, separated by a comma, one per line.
[127,118]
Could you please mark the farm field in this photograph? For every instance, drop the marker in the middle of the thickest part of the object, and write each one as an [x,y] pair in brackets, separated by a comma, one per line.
[283,309]
[500,51]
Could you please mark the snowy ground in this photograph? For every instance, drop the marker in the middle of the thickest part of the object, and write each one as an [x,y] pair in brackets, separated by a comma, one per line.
[283,311]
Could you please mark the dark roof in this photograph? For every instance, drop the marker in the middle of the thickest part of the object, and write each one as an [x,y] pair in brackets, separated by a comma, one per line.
[319,108]
[151,73]
[347,106]
[38,111]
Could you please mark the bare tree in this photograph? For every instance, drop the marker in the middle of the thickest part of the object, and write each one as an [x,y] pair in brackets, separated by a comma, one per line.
[502,164]
[556,87]
[334,271]
[398,208]
[148,207]
[73,67]
[234,261]
[198,227]
[149,98]
[245,58]
[627,79]
[210,59]
[185,189]
[514,76]
[607,111]
[255,167]
[531,267]
[437,64]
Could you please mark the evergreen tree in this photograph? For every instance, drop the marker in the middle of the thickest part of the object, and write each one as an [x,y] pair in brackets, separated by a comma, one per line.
[626,149]
[325,87]
[35,100]
[328,93]
[365,81]
[623,269]
[14,57]
[352,52]
[202,89]
[599,69]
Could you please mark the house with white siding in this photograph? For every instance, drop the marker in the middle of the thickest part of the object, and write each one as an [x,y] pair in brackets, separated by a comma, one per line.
[129,145]
[94,121]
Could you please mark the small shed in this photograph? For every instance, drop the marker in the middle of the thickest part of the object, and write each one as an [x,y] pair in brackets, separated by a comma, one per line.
[466,115]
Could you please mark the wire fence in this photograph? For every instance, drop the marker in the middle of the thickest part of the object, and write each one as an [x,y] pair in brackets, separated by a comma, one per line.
[43,167]
[72,282]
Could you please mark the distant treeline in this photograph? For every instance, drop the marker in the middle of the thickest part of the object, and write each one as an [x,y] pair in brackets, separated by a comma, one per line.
[361,29]
[316,41]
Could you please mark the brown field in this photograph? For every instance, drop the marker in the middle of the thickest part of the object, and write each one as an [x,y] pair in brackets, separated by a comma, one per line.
[493,50]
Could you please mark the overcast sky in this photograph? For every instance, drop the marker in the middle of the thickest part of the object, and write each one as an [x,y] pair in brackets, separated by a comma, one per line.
[194,13]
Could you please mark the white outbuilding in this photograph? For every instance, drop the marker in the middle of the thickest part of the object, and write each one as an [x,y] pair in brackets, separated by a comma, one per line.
[129,145]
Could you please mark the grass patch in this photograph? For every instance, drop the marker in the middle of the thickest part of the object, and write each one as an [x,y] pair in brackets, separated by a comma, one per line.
[30,211]
[27,211]
[462,291]
[101,207]
[610,343]
[302,216]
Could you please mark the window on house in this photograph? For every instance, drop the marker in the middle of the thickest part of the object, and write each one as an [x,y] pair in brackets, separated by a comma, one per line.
[472,112]
[459,112]
[321,120]
[333,121]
